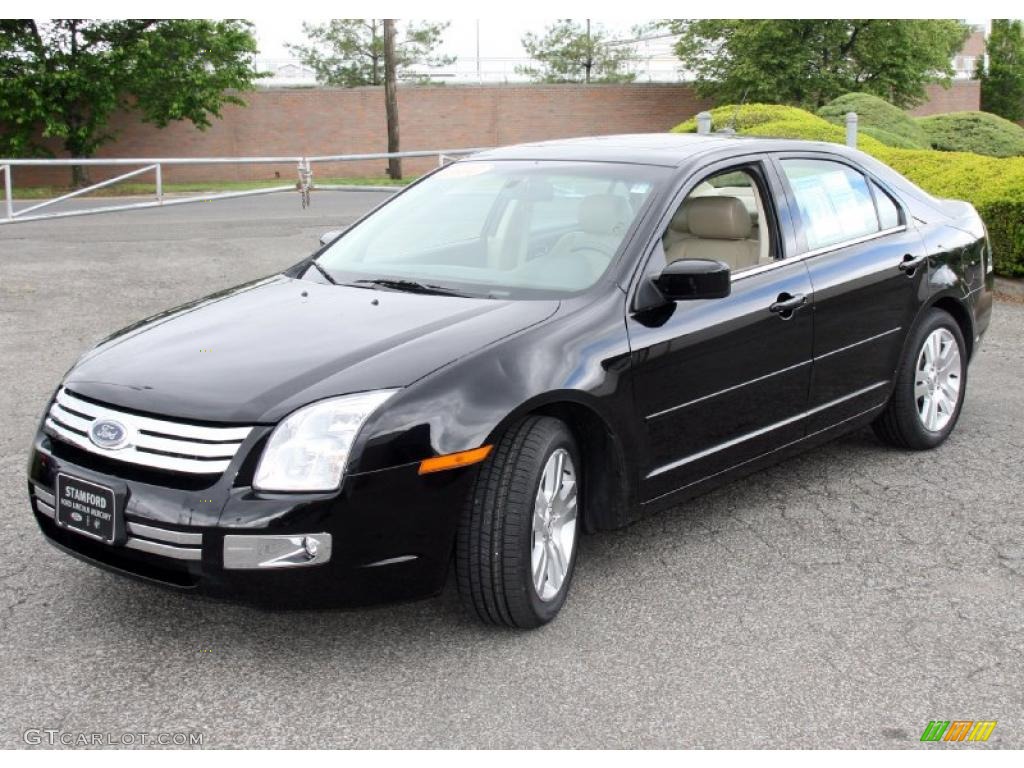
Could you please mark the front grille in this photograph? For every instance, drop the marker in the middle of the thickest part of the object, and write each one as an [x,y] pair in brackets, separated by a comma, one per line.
[167,445]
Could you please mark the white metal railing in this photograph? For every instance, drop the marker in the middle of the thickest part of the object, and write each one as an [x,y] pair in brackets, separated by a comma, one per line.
[304,183]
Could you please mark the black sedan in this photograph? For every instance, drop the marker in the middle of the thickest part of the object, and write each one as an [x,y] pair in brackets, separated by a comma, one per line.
[536,342]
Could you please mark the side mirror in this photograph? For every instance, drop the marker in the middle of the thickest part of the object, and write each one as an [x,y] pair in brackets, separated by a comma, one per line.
[689,279]
[327,237]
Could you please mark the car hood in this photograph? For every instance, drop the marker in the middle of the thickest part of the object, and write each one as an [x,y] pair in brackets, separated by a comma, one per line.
[253,353]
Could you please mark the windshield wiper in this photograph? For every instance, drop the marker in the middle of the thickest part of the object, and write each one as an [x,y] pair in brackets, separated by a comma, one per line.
[324,272]
[411,286]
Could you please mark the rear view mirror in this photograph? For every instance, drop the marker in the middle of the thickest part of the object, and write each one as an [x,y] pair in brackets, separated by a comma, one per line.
[689,279]
[327,237]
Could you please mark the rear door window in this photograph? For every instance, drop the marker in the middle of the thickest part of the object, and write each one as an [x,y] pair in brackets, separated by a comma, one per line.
[888,211]
[834,201]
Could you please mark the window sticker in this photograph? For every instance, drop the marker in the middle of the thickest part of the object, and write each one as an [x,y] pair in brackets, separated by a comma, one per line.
[835,202]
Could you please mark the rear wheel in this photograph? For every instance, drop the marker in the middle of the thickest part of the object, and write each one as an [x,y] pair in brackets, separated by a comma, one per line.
[516,546]
[930,386]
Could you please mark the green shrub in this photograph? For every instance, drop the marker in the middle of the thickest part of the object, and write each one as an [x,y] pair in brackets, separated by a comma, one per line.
[810,128]
[774,120]
[889,139]
[744,117]
[960,175]
[1005,223]
[978,132]
[877,116]
[994,186]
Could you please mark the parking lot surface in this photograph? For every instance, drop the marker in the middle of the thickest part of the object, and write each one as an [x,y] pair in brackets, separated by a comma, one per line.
[844,598]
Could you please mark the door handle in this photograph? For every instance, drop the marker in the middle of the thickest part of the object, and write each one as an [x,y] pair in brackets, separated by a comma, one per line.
[787,304]
[910,263]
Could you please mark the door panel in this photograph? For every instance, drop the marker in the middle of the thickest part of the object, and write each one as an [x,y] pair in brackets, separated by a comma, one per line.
[859,253]
[863,307]
[721,381]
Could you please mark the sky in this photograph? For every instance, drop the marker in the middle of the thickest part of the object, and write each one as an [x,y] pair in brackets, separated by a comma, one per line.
[498,37]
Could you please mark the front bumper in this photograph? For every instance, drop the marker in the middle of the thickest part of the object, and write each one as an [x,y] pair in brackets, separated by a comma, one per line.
[390,533]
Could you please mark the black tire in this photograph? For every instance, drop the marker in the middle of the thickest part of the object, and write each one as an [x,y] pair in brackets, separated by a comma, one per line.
[494,541]
[899,424]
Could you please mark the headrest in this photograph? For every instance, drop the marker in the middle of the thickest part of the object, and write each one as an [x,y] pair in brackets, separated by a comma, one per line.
[718,218]
[604,214]
[679,218]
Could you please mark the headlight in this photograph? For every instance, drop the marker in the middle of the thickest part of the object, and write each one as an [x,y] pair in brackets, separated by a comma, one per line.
[308,451]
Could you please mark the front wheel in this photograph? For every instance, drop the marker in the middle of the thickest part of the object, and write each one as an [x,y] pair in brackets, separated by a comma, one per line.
[516,547]
[930,386]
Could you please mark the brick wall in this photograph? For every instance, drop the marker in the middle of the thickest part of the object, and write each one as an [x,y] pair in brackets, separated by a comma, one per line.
[331,121]
[961,96]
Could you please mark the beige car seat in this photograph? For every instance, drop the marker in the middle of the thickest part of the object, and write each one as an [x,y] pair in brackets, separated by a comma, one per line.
[678,229]
[601,224]
[764,254]
[720,229]
[506,248]
[579,257]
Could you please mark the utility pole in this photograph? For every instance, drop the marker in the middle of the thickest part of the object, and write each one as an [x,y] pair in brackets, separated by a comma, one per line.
[589,64]
[391,98]
[479,79]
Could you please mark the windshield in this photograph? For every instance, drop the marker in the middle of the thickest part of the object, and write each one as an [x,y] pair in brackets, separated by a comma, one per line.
[504,229]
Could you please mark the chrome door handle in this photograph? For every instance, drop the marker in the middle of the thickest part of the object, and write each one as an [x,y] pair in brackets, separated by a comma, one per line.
[787,304]
[910,263]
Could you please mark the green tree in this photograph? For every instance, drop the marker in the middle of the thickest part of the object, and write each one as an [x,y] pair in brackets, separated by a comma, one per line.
[350,52]
[1002,82]
[574,52]
[63,78]
[811,61]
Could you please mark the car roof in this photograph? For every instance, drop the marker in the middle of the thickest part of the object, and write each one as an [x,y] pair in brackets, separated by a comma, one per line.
[667,149]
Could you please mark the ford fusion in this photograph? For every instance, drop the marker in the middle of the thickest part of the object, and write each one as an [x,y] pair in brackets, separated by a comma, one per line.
[530,344]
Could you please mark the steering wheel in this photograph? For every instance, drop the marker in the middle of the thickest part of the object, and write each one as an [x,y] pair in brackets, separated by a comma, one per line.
[603,251]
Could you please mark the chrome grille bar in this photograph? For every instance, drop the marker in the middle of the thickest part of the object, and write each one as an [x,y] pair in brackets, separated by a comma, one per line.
[179,544]
[166,550]
[44,495]
[168,445]
[166,535]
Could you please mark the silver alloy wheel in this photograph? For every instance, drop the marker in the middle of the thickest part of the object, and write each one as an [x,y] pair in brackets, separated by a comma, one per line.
[554,525]
[937,381]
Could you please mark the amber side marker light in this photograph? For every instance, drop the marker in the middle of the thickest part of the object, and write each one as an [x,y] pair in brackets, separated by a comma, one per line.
[455,460]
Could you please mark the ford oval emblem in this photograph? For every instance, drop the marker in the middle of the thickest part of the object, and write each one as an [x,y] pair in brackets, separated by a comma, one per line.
[109,434]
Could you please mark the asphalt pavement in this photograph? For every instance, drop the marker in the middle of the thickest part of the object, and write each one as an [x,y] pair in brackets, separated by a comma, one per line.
[844,598]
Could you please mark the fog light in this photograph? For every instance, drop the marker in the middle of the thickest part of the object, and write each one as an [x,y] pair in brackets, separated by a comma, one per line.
[245,552]
[311,545]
